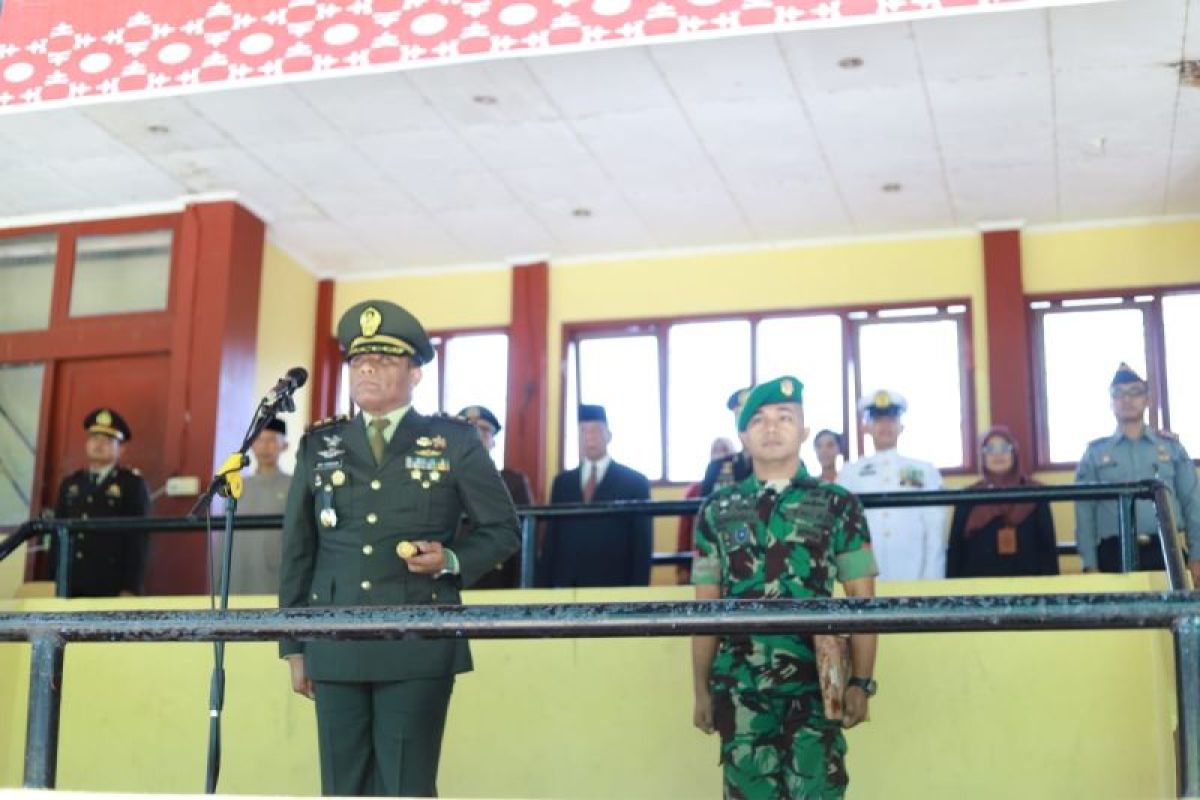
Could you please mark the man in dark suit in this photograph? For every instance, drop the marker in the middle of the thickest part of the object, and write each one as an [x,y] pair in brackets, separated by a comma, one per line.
[598,551]
[372,509]
[103,564]
[506,574]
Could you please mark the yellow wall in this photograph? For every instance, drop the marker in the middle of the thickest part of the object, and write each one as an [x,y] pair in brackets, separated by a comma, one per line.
[287,315]
[1101,257]
[451,299]
[1000,715]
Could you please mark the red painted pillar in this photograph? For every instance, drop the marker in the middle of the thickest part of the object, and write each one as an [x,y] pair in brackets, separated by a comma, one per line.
[525,425]
[326,357]
[213,358]
[1010,383]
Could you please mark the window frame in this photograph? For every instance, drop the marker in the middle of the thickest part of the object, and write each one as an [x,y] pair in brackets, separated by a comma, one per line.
[437,339]
[1154,332]
[574,332]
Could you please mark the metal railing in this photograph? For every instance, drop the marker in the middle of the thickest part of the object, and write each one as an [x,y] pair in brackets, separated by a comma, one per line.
[1123,493]
[1177,611]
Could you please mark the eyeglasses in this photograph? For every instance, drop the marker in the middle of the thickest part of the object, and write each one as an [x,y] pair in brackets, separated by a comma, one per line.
[1132,391]
[1000,448]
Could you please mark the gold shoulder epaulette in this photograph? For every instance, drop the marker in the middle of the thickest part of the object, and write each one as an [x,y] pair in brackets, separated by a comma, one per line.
[442,416]
[325,423]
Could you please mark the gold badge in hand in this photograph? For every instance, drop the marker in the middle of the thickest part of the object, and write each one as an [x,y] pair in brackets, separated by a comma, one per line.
[406,550]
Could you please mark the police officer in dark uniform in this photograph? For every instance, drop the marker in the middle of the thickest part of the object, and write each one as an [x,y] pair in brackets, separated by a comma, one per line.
[372,510]
[506,574]
[103,564]
[734,468]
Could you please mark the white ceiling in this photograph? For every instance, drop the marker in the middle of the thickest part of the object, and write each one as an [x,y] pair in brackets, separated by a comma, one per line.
[1045,116]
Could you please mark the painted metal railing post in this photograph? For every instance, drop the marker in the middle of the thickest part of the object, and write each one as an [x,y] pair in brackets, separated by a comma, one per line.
[1187,697]
[45,700]
[528,550]
[62,569]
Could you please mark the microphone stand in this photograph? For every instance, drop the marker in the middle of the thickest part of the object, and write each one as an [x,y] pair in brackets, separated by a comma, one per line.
[228,484]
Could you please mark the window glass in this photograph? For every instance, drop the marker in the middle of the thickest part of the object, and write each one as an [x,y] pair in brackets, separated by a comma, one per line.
[26,281]
[622,374]
[707,361]
[1082,350]
[121,273]
[921,361]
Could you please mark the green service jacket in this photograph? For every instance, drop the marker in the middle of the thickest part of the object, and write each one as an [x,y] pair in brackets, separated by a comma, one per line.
[346,516]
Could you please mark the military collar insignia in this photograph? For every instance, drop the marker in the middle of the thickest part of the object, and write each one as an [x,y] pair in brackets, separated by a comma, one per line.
[370,320]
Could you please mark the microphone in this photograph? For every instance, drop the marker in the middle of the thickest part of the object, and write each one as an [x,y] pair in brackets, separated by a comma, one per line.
[289,383]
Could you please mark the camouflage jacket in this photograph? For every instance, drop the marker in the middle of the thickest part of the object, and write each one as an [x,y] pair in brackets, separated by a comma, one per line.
[758,544]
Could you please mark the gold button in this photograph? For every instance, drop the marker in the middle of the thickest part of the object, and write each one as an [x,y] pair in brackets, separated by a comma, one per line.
[372,518]
[366,585]
[79,555]
[376,485]
[433,596]
[367,549]
[314,597]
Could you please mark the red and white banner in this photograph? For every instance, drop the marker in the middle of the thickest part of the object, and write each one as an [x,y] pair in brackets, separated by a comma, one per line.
[63,51]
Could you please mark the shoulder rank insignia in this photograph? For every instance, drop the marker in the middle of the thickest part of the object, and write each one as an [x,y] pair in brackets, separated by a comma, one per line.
[325,423]
[1169,435]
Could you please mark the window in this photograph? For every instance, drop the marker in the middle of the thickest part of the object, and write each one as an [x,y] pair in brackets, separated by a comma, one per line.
[26,281]
[1079,342]
[665,383]
[921,360]
[469,369]
[20,406]
[620,373]
[121,273]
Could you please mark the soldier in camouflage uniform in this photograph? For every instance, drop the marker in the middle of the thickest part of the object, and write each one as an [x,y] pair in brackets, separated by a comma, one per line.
[779,533]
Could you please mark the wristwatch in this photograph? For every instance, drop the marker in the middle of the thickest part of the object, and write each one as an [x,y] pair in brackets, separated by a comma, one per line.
[868,686]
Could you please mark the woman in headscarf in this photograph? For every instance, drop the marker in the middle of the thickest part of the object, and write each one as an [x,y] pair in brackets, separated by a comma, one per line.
[1001,539]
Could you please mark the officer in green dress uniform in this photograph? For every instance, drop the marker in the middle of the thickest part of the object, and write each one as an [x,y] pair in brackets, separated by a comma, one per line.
[103,564]
[373,504]
[1135,452]
[779,533]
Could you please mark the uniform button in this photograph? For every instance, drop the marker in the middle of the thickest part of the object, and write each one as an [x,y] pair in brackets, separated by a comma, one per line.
[314,597]
[366,586]
[372,518]
[367,549]
[433,596]
[376,485]
[78,555]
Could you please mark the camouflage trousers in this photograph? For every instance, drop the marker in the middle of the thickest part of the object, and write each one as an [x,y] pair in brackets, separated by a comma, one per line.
[775,747]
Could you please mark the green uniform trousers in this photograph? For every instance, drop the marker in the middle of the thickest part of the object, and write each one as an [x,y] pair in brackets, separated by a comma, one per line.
[776,746]
[381,739]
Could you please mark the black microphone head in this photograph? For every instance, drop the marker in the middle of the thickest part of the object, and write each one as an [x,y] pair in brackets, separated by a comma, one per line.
[298,376]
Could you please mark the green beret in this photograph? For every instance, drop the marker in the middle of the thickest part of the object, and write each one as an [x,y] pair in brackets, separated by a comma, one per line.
[781,390]
[377,326]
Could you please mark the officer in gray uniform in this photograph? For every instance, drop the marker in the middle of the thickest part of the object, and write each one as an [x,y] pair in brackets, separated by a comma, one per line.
[374,503]
[1135,452]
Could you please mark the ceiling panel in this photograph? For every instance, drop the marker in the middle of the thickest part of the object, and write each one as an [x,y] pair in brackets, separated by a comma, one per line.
[1062,115]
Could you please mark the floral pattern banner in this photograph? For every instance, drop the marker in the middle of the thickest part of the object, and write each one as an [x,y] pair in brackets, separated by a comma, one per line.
[62,51]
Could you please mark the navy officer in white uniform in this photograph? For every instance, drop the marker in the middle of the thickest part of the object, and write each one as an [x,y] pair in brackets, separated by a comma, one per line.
[909,543]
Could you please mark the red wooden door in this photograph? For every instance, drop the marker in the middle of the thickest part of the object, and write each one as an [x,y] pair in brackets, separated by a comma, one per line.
[136,388]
